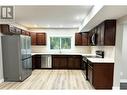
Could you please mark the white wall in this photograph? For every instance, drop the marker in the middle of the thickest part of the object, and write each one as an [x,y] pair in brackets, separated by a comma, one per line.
[120,67]
[1,64]
[59,32]
[124,55]
[118,55]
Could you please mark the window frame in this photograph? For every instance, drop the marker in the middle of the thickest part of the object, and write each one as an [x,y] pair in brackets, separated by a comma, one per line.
[60,43]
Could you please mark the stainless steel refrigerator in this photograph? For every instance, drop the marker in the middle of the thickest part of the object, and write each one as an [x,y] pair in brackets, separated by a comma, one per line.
[17,64]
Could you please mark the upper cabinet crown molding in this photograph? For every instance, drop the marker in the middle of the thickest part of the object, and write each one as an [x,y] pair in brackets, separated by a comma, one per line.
[36,38]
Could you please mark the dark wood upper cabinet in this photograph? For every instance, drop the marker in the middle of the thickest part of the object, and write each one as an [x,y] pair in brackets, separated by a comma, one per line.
[38,38]
[41,38]
[110,32]
[85,39]
[33,38]
[12,30]
[8,29]
[81,39]
[106,32]
[78,39]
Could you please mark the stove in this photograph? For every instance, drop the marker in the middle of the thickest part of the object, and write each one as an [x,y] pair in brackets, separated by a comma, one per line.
[85,63]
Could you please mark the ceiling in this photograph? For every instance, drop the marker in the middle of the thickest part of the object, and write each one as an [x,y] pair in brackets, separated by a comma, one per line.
[51,16]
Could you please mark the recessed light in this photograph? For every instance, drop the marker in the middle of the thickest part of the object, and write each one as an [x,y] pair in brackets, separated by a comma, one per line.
[75,26]
[61,26]
[77,17]
[35,25]
[80,17]
[48,25]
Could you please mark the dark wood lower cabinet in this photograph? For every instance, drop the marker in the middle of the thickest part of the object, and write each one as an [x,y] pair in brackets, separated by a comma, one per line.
[74,62]
[36,62]
[59,62]
[66,61]
[100,75]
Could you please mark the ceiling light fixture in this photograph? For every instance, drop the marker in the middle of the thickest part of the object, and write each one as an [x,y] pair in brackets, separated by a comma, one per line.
[61,26]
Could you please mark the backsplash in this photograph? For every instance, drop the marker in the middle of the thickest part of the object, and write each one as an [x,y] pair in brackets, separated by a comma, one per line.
[109,51]
[76,49]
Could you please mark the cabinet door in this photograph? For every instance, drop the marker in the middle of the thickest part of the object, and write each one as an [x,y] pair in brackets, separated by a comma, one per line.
[59,62]
[103,75]
[41,38]
[102,30]
[99,39]
[7,29]
[110,32]
[84,39]
[90,74]
[74,62]
[77,62]
[33,62]
[70,64]
[63,63]
[36,62]
[89,37]
[78,39]
[33,38]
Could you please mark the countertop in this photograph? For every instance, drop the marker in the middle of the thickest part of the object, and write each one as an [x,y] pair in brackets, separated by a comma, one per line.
[94,60]
[101,60]
[63,54]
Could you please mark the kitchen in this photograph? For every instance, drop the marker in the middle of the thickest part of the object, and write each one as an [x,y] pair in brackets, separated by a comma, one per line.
[58,52]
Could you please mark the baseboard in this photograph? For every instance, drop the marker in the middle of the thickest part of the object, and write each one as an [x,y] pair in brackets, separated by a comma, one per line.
[1,80]
[123,80]
[115,88]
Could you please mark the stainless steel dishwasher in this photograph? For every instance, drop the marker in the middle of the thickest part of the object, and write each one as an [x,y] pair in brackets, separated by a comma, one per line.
[46,61]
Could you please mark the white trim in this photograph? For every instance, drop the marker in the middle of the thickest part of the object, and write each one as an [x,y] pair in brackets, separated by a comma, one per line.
[115,88]
[1,80]
[60,50]
[123,80]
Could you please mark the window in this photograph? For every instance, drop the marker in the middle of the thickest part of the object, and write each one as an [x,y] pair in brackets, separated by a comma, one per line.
[60,43]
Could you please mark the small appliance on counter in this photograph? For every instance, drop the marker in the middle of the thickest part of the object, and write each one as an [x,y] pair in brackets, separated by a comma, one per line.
[99,54]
